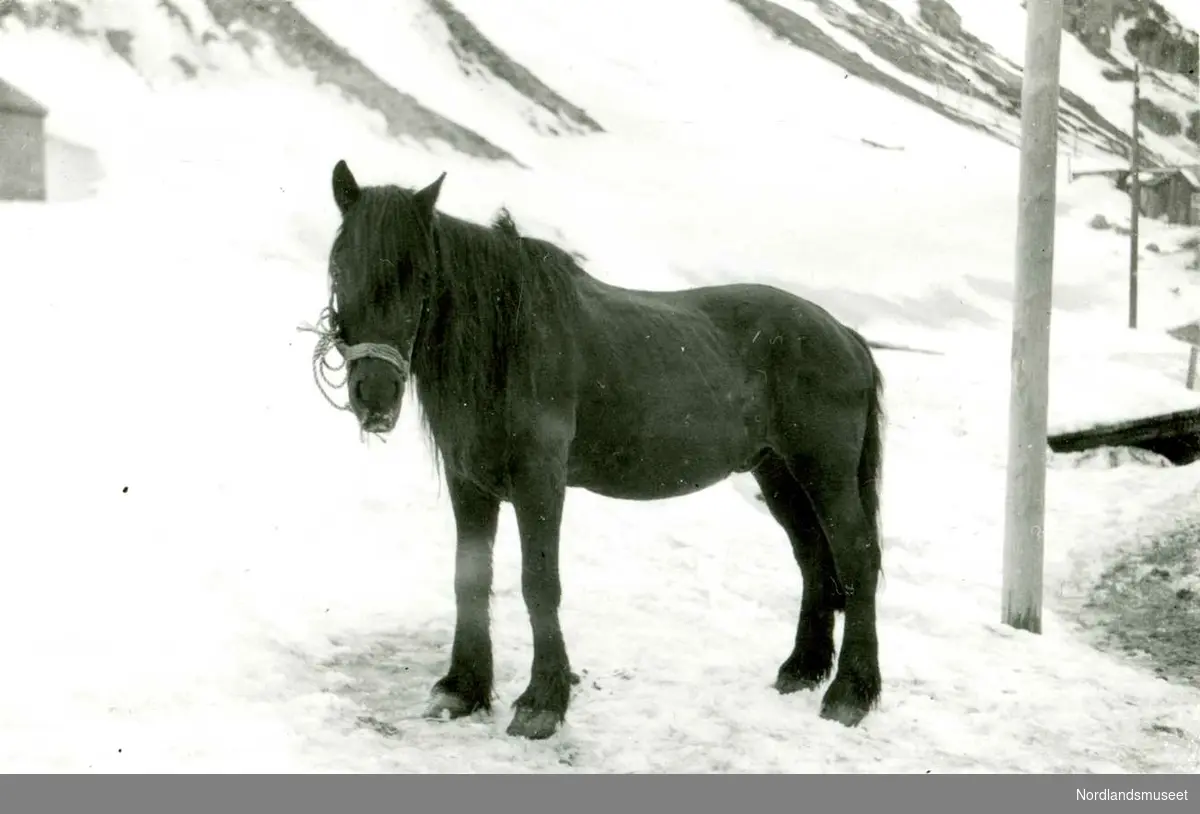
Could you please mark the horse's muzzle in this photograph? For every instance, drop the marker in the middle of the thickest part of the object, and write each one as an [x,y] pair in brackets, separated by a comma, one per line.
[379,423]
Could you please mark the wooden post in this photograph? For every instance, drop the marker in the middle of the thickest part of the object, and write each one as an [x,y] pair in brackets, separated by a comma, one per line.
[1021,600]
[1193,374]
[1135,196]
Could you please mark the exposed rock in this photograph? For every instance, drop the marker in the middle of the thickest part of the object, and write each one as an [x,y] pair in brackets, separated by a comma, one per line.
[1154,38]
[1118,74]
[1159,42]
[122,44]
[57,14]
[469,44]
[253,24]
[796,30]
[881,11]
[939,52]
[303,44]
[186,68]
[1091,21]
[941,17]
[1157,119]
[957,60]
[175,13]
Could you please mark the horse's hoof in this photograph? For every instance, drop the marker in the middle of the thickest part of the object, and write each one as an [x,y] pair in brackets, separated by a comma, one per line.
[850,697]
[444,704]
[845,714]
[534,724]
[788,684]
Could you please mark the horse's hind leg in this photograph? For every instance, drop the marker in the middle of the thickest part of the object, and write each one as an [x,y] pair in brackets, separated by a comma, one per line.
[835,494]
[811,659]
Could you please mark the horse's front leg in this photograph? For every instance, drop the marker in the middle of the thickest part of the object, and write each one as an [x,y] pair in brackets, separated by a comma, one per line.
[539,489]
[468,684]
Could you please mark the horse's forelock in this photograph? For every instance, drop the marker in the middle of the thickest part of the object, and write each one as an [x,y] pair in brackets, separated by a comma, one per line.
[378,236]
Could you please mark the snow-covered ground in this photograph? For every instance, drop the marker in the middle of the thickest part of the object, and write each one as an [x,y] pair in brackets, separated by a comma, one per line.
[206,571]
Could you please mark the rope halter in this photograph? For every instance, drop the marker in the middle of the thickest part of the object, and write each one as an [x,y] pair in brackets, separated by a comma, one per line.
[328,340]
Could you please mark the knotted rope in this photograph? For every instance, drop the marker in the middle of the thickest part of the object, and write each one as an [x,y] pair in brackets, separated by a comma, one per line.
[328,339]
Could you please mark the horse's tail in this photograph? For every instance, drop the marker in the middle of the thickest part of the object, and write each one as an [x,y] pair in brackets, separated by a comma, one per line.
[870,462]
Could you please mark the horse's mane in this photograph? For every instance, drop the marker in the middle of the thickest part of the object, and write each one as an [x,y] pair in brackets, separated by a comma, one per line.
[503,223]
[500,308]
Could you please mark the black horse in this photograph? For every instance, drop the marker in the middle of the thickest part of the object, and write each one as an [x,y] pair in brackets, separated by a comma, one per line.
[534,376]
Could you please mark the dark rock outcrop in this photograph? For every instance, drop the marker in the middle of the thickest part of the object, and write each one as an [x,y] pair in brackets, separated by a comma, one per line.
[302,44]
[941,17]
[473,48]
[939,51]
[1158,41]
[1157,119]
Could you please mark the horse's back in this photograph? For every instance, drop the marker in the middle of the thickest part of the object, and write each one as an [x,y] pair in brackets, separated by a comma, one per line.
[819,372]
[801,334]
[816,371]
[757,324]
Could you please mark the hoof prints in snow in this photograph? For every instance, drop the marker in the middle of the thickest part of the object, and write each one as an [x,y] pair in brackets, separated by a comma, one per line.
[386,680]
[380,727]
[389,679]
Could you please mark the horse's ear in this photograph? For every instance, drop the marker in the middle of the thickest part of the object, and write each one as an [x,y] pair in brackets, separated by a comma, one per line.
[345,188]
[427,198]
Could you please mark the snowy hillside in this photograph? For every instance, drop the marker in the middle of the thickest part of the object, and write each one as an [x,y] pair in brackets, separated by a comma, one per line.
[206,571]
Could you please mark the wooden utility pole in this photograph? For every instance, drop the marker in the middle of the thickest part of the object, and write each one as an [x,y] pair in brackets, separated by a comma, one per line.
[1021,601]
[1135,196]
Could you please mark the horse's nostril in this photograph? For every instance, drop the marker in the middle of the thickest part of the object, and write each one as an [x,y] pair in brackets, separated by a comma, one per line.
[377,392]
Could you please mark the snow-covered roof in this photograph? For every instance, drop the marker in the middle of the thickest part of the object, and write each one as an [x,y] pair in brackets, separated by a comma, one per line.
[15,101]
[1153,179]
[1189,333]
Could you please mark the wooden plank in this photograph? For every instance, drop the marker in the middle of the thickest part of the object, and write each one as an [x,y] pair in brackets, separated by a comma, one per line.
[1129,433]
[1143,170]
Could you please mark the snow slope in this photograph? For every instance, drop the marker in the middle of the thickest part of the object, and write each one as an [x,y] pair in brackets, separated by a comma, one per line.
[1187,13]
[212,574]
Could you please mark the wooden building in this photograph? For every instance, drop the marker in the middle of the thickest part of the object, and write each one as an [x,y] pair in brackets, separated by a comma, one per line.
[1168,195]
[22,146]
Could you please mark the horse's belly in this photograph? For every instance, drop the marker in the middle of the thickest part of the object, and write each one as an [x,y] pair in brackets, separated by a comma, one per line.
[640,463]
